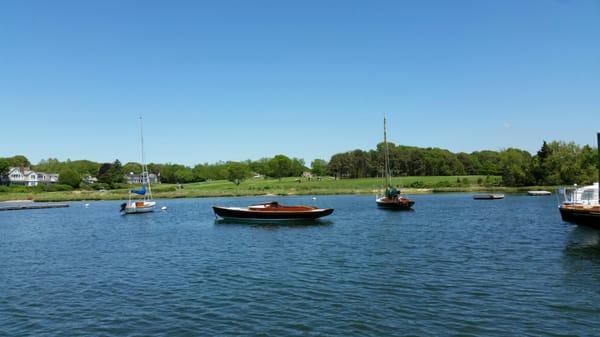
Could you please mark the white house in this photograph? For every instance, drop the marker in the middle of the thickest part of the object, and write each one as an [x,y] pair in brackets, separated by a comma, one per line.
[27,177]
[133,178]
[89,179]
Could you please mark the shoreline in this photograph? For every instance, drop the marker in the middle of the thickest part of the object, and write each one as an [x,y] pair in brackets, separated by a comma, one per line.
[120,195]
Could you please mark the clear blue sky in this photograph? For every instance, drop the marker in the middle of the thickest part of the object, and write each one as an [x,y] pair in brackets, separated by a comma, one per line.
[232,80]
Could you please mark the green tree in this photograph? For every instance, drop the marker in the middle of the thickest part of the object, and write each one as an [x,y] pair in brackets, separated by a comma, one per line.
[470,166]
[319,167]
[489,161]
[339,165]
[104,173]
[237,172]
[19,161]
[184,174]
[49,165]
[587,161]
[116,172]
[132,167]
[516,167]
[260,166]
[538,169]
[68,176]
[201,172]
[4,168]
[280,166]
[84,167]
[297,167]
[111,173]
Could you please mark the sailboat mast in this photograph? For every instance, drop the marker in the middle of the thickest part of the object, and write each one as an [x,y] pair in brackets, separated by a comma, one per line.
[145,174]
[387,154]
[142,142]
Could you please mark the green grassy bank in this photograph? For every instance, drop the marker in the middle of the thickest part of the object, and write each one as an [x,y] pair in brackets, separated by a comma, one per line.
[287,186]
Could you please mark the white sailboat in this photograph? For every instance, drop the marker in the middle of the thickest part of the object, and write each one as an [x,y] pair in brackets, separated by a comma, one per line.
[146,204]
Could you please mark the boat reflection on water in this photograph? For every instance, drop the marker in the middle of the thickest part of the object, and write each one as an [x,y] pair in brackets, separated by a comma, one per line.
[584,240]
[273,224]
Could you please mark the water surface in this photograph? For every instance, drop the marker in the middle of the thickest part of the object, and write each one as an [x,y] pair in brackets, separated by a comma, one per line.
[454,266]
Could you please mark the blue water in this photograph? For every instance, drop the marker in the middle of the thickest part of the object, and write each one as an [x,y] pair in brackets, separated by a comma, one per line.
[454,266]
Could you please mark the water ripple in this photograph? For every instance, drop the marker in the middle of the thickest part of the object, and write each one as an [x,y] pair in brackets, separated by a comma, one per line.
[452,267]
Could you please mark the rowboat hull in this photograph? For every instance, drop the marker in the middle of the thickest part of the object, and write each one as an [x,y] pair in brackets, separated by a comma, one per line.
[280,215]
[401,204]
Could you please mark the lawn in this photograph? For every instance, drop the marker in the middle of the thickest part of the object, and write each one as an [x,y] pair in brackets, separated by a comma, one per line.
[287,186]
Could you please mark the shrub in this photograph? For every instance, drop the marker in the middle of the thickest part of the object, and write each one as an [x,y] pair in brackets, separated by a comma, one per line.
[86,187]
[444,183]
[69,177]
[54,188]
[100,186]
[20,189]
[417,184]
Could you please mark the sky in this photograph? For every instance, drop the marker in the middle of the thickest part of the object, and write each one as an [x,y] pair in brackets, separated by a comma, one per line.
[235,80]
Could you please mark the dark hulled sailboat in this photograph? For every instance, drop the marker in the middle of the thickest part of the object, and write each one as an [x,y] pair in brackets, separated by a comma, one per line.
[391,198]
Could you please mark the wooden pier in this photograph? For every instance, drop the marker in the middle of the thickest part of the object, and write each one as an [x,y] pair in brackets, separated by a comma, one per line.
[30,205]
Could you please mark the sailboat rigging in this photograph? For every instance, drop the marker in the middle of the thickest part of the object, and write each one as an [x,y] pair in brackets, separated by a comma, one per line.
[146,204]
[391,198]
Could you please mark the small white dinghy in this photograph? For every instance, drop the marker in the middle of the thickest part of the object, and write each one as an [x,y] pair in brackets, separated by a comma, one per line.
[492,196]
[538,193]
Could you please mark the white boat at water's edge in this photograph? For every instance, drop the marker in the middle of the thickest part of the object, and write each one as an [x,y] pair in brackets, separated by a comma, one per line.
[538,193]
[492,196]
[584,195]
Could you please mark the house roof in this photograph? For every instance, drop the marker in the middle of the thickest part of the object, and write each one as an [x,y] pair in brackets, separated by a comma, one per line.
[27,171]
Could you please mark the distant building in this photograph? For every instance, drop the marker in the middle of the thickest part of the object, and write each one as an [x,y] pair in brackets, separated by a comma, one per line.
[89,179]
[307,175]
[134,178]
[27,177]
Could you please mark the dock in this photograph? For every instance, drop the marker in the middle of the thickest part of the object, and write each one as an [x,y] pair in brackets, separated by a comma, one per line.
[538,193]
[492,196]
[30,205]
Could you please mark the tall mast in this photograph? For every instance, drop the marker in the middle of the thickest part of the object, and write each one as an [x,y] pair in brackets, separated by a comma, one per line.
[142,141]
[145,173]
[387,154]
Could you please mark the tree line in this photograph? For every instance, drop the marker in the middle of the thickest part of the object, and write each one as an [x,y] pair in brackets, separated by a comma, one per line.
[556,163]
[112,175]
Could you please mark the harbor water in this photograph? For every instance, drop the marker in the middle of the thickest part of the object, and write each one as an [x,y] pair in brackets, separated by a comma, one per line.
[453,266]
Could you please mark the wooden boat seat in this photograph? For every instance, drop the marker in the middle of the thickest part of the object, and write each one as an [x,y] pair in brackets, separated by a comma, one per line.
[276,207]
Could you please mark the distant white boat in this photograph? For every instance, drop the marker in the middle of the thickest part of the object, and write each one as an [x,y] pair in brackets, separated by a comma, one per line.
[492,196]
[538,193]
[146,204]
